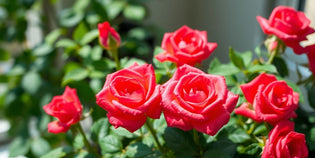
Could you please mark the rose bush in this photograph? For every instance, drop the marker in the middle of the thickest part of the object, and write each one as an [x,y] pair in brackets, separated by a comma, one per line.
[268,100]
[193,99]
[284,142]
[289,25]
[66,108]
[186,46]
[129,96]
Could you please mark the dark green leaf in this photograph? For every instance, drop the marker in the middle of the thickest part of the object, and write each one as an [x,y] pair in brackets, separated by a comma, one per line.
[40,147]
[260,129]
[251,149]
[110,144]
[221,149]
[58,152]
[4,55]
[311,94]
[100,129]
[75,75]
[80,31]
[281,66]
[239,136]
[138,150]
[236,59]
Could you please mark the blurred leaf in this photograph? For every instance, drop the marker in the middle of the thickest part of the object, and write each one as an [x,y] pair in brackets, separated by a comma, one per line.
[114,8]
[53,36]
[81,5]
[134,12]
[281,66]
[4,55]
[75,75]
[31,82]
[138,150]
[236,59]
[80,30]
[239,136]
[19,147]
[66,43]
[40,147]
[247,57]
[85,51]
[58,152]
[126,62]
[221,149]
[96,53]
[78,142]
[138,33]
[43,49]
[100,129]
[89,37]
[110,144]
[261,68]
[69,17]
[99,7]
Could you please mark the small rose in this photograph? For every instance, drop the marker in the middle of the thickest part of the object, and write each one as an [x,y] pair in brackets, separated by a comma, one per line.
[193,99]
[108,36]
[283,142]
[66,108]
[129,96]
[289,25]
[186,46]
[268,100]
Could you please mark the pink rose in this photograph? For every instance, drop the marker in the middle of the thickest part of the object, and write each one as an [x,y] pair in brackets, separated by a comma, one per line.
[283,142]
[268,100]
[66,108]
[108,36]
[186,46]
[129,96]
[289,25]
[194,99]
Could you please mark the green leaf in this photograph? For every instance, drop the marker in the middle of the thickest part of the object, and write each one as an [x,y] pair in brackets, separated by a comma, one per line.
[126,62]
[110,144]
[4,55]
[224,70]
[251,149]
[247,57]
[53,36]
[89,37]
[236,59]
[310,95]
[261,68]
[221,149]
[80,31]
[85,51]
[70,18]
[260,129]
[239,136]
[158,64]
[75,75]
[42,50]
[134,12]
[121,132]
[40,147]
[114,8]
[31,82]
[281,66]
[66,43]
[58,152]
[78,142]
[100,129]
[138,150]
[81,5]
[138,33]
[19,147]
[180,142]
[96,53]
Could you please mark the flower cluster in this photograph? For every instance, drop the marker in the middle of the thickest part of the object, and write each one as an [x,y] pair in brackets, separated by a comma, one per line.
[194,100]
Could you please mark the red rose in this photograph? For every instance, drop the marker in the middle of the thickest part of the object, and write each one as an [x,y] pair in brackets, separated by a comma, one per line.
[194,99]
[283,142]
[186,46]
[129,96]
[289,25]
[67,108]
[109,38]
[311,58]
[268,99]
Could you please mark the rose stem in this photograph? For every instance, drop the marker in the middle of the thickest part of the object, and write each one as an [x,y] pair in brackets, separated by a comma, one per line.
[197,142]
[86,142]
[275,52]
[114,52]
[153,132]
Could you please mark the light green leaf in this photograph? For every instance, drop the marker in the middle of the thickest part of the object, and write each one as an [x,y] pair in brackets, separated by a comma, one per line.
[261,68]
[134,12]
[80,31]
[110,144]
[31,82]
[53,36]
[58,152]
[19,147]
[100,129]
[114,8]
[89,37]
[75,75]
[66,43]
[42,50]
[40,147]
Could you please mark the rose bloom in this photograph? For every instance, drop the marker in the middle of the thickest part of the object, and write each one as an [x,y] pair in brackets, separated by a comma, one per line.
[108,36]
[185,46]
[311,58]
[268,99]
[283,142]
[289,25]
[129,96]
[193,99]
[66,108]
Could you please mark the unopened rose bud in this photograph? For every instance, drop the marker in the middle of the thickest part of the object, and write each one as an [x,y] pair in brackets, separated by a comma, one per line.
[108,36]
